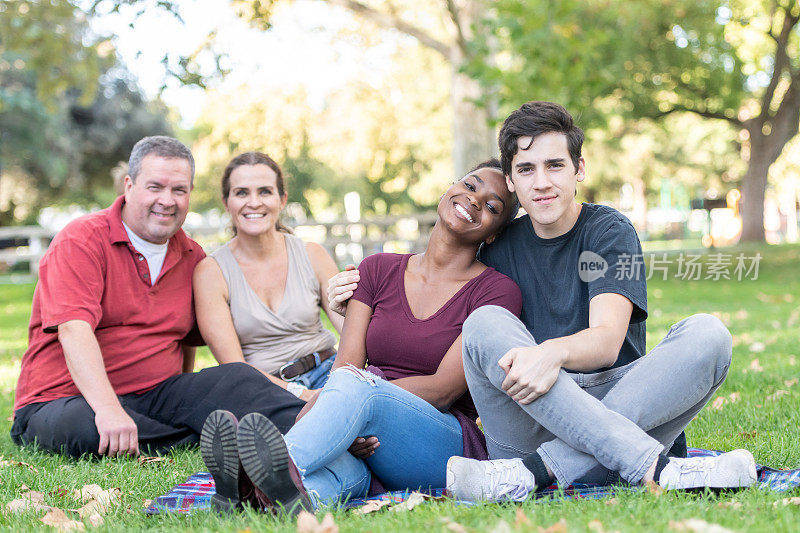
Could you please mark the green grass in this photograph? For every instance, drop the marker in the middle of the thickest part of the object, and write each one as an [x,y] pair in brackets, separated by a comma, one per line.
[763,315]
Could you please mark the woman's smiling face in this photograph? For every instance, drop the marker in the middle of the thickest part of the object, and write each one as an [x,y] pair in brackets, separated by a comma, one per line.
[478,204]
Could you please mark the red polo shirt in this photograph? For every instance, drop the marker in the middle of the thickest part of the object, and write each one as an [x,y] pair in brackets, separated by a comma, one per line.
[92,272]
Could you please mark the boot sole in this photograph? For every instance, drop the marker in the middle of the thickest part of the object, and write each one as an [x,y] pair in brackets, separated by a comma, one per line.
[265,459]
[221,456]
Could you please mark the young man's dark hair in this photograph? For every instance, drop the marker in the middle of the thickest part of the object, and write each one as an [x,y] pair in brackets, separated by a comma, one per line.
[533,119]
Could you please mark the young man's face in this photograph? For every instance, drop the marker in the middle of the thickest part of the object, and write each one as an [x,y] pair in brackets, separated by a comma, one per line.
[544,178]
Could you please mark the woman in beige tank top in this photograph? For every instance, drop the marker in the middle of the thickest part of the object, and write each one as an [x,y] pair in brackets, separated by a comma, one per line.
[258,297]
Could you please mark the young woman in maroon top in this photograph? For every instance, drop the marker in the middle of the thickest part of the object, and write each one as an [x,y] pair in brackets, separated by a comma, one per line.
[404,321]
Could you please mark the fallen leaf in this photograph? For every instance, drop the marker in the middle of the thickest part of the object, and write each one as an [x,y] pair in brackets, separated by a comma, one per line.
[792,360]
[790,382]
[654,488]
[741,314]
[455,527]
[788,501]
[147,503]
[730,505]
[147,460]
[695,525]
[101,502]
[87,492]
[521,519]
[777,394]
[24,504]
[95,520]
[6,462]
[414,499]
[718,402]
[749,434]
[558,527]
[734,397]
[372,506]
[59,492]
[596,526]
[59,520]
[307,523]
[501,527]
[611,501]
[755,366]
[793,318]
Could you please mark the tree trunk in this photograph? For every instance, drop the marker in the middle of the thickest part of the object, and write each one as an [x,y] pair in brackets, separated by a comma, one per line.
[754,186]
[473,138]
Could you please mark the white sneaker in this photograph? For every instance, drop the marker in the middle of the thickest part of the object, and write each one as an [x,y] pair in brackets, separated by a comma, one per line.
[734,469]
[496,480]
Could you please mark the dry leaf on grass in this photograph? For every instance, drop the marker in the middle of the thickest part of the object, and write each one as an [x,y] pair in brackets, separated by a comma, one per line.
[87,492]
[790,382]
[145,460]
[654,488]
[95,520]
[757,347]
[455,527]
[777,394]
[730,505]
[596,526]
[558,527]
[718,402]
[501,527]
[414,499]
[372,506]
[755,366]
[28,500]
[146,503]
[7,462]
[749,434]
[695,525]
[611,501]
[59,520]
[787,501]
[307,523]
[100,503]
[521,519]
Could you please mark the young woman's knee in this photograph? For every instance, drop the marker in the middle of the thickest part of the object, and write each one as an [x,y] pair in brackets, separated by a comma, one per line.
[352,382]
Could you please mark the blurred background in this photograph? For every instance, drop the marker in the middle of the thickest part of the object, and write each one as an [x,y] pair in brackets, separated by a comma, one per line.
[372,107]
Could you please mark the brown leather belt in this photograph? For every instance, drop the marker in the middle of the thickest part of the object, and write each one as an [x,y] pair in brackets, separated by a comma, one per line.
[301,365]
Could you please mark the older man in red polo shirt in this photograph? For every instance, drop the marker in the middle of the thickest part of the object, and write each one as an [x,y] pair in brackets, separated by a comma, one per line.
[112,333]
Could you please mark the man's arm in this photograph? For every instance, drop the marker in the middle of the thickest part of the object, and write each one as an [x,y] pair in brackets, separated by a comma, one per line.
[532,370]
[118,432]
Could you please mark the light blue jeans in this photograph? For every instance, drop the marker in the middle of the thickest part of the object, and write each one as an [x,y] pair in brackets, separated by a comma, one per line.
[317,376]
[595,428]
[416,439]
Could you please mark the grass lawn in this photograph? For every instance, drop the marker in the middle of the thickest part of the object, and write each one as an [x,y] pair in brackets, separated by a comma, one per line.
[749,411]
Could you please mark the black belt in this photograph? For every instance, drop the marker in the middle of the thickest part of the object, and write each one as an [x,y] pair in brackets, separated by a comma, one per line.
[301,365]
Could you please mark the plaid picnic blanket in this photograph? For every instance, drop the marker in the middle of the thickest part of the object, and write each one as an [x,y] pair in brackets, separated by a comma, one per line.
[195,493]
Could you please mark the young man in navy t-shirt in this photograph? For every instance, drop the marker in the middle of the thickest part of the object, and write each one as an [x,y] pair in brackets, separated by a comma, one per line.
[567,392]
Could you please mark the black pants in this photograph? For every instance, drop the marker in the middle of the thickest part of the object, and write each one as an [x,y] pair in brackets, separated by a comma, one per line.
[171,414]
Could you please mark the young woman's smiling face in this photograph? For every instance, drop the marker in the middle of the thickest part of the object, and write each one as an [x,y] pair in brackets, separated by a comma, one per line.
[477,205]
[254,202]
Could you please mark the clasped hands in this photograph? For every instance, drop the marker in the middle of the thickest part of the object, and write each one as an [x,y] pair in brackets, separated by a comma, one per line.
[531,370]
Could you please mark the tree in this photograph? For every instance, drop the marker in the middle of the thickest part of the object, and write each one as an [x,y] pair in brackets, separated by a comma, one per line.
[736,61]
[448,32]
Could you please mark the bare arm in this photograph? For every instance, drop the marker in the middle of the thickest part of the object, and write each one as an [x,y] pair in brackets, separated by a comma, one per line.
[325,269]
[353,344]
[214,316]
[532,370]
[341,287]
[118,432]
[445,386]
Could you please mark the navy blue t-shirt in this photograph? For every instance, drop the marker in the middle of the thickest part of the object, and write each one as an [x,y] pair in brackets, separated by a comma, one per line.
[559,276]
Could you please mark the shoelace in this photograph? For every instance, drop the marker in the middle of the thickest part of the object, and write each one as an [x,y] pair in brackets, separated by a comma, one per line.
[504,480]
[696,465]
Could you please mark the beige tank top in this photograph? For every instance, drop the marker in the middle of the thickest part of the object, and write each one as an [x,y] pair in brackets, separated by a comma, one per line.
[270,339]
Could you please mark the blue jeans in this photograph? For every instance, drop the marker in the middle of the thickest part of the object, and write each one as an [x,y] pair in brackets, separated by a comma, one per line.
[317,376]
[595,428]
[416,439]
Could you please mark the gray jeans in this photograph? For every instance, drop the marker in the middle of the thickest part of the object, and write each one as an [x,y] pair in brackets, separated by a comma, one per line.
[595,428]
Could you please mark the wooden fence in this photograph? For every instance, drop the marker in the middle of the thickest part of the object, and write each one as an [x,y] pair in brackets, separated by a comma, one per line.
[346,241]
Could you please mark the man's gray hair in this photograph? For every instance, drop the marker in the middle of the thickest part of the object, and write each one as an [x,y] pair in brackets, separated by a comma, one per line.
[161,146]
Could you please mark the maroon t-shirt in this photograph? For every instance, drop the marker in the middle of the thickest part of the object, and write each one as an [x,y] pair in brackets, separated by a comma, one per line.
[401,345]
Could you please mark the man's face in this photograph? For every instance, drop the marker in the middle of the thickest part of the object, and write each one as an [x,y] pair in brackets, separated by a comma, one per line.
[157,202]
[544,178]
